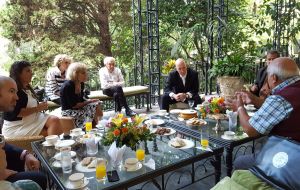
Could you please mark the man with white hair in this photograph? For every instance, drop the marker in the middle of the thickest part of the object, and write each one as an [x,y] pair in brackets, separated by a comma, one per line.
[112,81]
[279,114]
[182,84]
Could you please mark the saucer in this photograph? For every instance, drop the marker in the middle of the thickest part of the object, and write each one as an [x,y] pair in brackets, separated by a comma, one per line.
[130,169]
[58,155]
[57,164]
[69,185]
[45,143]
[229,138]
[81,168]
[64,143]
[154,122]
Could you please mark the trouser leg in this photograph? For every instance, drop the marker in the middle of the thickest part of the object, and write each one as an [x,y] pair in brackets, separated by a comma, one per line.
[37,177]
[166,100]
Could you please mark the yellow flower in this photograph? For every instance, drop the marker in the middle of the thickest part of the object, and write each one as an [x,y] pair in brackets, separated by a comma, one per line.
[117,121]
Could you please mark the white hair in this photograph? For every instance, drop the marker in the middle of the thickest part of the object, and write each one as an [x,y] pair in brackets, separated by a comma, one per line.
[282,72]
[109,60]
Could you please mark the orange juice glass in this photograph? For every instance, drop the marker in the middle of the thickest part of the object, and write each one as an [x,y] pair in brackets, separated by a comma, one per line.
[204,143]
[140,154]
[204,138]
[88,126]
[101,170]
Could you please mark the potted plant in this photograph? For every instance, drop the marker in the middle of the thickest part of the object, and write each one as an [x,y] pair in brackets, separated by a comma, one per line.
[232,71]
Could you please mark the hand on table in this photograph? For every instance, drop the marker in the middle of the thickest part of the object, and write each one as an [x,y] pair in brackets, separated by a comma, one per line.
[32,163]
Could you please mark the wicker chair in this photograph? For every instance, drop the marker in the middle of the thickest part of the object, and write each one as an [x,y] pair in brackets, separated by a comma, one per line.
[23,142]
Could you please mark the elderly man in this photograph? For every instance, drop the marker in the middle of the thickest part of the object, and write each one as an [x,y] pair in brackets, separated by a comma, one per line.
[182,84]
[13,159]
[279,113]
[112,81]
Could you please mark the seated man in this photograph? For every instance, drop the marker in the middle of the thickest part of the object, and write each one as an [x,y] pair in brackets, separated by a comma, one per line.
[56,77]
[112,81]
[279,113]
[13,159]
[260,90]
[182,84]
[257,89]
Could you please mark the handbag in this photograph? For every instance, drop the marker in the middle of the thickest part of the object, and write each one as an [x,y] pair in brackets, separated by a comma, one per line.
[278,163]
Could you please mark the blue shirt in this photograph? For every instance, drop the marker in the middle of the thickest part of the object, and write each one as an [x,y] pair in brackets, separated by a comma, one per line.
[273,111]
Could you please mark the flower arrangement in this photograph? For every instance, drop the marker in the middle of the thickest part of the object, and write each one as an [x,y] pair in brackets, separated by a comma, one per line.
[168,66]
[214,105]
[125,132]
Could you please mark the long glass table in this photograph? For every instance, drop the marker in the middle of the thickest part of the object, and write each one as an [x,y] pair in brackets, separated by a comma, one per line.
[167,159]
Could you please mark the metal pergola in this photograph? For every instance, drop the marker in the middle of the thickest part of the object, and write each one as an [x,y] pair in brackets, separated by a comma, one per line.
[146,39]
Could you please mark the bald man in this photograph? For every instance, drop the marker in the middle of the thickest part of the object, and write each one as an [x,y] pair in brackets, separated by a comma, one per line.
[182,84]
[13,159]
[279,114]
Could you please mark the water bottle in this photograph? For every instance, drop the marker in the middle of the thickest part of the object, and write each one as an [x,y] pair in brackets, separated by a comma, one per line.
[66,160]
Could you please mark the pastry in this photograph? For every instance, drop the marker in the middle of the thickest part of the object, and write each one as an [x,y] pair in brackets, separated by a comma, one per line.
[162,131]
[87,160]
[178,143]
[93,164]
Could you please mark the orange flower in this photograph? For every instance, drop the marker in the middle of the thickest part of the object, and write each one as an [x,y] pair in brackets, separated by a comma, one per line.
[217,111]
[116,132]
[125,120]
[221,100]
[124,130]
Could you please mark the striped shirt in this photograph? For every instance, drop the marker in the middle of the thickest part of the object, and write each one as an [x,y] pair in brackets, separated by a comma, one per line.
[274,110]
[53,83]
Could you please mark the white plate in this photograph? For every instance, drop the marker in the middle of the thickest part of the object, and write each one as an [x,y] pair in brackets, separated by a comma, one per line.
[58,155]
[188,144]
[188,111]
[175,111]
[45,143]
[172,131]
[70,186]
[154,122]
[81,168]
[64,143]
[189,123]
[139,166]
[57,164]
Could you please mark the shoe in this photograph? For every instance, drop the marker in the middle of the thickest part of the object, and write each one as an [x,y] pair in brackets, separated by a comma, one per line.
[130,113]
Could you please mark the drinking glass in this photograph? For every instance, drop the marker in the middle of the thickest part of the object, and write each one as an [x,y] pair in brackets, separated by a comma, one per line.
[140,152]
[91,145]
[101,169]
[204,138]
[191,103]
[88,126]
[66,160]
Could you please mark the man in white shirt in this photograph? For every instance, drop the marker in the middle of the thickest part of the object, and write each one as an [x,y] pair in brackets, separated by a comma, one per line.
[112,81]
[182,84]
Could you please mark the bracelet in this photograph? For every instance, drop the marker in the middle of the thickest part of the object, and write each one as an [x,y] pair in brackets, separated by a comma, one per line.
[23,157]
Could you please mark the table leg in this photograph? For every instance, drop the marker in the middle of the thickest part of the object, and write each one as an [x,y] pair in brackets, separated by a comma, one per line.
[217,166]
[229,161]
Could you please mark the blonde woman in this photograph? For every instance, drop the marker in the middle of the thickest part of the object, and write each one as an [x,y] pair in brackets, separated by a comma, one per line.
[27,118]
[56,76]
[73,101]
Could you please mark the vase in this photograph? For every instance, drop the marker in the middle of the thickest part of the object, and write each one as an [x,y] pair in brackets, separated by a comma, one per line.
[229,85]
[116,155]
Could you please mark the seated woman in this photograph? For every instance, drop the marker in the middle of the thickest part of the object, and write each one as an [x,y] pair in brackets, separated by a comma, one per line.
[27,118]
[56,77]
[73,101]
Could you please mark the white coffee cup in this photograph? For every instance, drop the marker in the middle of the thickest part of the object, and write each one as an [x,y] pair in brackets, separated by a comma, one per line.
[76,131]
[229,134]
[131,163]
[162,112]
[76,179]
[52,139]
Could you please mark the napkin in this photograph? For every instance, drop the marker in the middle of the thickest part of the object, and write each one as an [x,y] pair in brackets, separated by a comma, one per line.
[232,116]
[150,164]
[205,149]
[115,153]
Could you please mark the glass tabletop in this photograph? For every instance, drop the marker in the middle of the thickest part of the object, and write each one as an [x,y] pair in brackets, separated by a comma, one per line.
[166,158]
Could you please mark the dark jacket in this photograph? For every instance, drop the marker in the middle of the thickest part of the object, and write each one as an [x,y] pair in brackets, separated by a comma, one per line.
[68,97]
[260,78]
[13,159]
[174,83]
